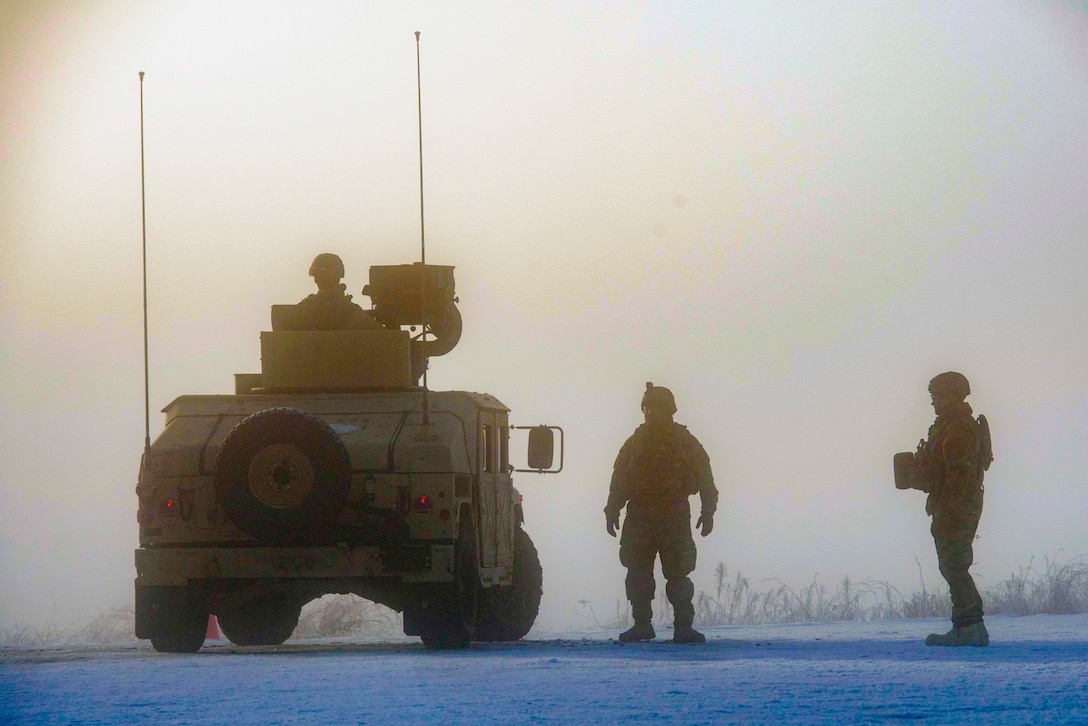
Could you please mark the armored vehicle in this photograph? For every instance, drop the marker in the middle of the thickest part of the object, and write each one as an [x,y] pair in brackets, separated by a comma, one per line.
[334,471]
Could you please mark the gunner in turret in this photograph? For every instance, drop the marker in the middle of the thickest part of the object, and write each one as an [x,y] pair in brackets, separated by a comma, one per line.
[331,308]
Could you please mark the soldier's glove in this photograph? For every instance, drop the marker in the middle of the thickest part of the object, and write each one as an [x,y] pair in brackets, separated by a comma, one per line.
[612,522]
[705,523]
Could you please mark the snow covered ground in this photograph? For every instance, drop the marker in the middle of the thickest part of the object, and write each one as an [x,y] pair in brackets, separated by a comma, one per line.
[1035,671]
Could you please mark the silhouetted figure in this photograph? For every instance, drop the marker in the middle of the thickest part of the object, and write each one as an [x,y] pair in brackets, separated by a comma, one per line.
[950,465]
[331,308]
[657,469]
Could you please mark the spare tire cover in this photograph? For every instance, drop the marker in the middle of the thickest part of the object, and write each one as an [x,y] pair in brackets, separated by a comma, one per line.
[281,475]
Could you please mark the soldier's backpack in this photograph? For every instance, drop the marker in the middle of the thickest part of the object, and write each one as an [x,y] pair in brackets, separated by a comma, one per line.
[985,444]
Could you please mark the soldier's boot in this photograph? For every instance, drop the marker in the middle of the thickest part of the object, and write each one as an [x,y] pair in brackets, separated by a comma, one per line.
[637,632]
[683,617]
[687,634]
[643,629]
[968,635]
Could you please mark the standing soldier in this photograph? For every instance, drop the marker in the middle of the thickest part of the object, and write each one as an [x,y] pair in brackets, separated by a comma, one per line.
[949,466]
[657,469]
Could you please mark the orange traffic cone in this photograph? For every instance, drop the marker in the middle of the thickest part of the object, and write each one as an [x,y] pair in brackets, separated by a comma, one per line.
[213,629]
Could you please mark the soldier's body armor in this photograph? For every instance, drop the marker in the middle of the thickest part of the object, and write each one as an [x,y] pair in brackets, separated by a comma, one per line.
[950,461]
[333,310]
[660,470]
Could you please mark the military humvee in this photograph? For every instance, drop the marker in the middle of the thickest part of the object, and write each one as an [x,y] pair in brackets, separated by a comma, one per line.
[333,471]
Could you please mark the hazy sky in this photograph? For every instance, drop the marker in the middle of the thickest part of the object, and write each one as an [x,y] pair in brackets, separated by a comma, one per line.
[793,214]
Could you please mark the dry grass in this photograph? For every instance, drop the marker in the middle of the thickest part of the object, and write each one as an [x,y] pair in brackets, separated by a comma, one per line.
[116,625]
[735,602]
[1058,588]
[620,619]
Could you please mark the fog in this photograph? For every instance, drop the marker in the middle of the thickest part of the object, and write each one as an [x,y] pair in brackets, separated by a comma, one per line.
[792,214]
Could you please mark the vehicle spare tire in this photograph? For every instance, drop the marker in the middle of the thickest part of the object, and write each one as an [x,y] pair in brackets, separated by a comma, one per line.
[281,475]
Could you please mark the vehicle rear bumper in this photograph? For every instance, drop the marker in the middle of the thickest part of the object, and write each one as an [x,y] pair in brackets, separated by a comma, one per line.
[163,566]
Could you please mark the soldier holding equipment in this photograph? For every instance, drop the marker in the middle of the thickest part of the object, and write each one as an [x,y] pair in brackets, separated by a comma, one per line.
[949,465]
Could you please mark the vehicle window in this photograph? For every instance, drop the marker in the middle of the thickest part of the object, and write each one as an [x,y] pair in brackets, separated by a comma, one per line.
[487,440]
[504,449]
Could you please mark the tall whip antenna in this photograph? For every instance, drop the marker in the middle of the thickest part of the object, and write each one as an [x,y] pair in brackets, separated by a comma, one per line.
[422,237]
[143,225]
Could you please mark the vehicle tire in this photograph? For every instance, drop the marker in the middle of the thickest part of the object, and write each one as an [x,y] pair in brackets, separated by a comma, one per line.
[265,621]
[449,615]
[181,629]
[281,475]
[507,613]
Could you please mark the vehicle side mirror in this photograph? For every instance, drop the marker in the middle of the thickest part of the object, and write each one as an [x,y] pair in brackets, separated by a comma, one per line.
[542,449]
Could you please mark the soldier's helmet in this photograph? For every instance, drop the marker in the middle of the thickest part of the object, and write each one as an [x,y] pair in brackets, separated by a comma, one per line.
[951,382]
[327,264]
[658,396]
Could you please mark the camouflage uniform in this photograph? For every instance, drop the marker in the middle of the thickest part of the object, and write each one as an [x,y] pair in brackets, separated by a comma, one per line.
[657,469]
[949,464]
[331,308]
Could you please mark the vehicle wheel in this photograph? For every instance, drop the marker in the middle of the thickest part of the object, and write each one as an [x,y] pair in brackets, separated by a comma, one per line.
[449,616]
[265,621]
[507,613]
[281,474]
[181,630]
